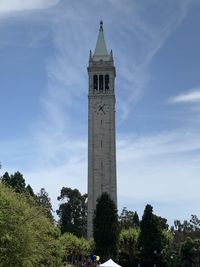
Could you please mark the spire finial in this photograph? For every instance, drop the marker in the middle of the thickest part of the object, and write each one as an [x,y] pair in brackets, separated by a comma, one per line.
[101,25]
[101,45]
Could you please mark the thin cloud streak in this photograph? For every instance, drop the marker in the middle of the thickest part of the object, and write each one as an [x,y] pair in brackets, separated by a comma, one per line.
[162,170]
[191,96]
[8,7]
[149,37]
[165,144]
[67,69]
[150,169]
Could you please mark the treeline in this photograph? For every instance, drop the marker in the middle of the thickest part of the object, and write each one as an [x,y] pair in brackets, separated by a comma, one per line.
[153,242]
[147,242]
[30,236]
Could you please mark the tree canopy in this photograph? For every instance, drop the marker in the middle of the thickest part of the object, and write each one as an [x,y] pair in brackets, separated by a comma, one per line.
[106,230]
[75,249]
[190,252]
[15,181]
[128,219]
[151,239]
[72,211]
[44,201]
[27,238]
[128,246]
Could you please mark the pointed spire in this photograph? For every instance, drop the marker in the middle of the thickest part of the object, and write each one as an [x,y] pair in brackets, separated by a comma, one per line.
[101,49]
[90,56]
[111,55]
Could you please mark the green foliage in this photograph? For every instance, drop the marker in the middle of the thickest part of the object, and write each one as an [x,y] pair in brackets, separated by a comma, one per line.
[29,190]
[17,182]
[44,201]
[136,220]
[190,252]
[195,223]
[74,248]
[27,238]
[181,232]
[105,227]
[152,242]
[185,229]
[6,178]
[128,219]
[72,211]
[128,246]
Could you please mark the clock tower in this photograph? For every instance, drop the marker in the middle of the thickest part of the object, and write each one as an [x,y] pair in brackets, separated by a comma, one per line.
[101,127]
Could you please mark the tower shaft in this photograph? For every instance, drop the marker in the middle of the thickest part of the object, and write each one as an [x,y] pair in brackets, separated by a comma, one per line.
[101,128]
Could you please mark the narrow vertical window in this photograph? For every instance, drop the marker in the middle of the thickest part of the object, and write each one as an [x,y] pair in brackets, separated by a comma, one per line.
[101,143]
[101,165]
[95,82]
[107,82]
[101,122]
[100,83]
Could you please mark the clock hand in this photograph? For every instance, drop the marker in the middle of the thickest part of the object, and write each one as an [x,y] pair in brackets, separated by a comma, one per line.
[101,107]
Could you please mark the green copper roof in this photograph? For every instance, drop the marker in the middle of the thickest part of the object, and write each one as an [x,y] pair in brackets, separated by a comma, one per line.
[101,49]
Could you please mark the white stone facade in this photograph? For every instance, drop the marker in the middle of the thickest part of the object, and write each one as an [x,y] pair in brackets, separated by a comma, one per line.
[101,131]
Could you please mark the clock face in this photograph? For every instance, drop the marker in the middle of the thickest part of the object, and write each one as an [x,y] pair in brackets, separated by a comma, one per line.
[100,108]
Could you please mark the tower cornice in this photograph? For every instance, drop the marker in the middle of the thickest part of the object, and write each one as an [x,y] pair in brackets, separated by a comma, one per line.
[101,68]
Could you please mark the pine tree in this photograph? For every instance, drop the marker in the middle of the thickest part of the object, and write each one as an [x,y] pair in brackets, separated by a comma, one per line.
[151,237]
[136,220]
[105,227]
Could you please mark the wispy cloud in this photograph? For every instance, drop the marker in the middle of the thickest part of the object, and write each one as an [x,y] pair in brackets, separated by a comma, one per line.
[66,70]
[156,169]
[7,7]
[148,36]
[164,143]
[136,32]
[191,96]
[162,169]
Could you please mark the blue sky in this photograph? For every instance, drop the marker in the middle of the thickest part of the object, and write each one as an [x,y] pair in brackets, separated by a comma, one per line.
[44,50]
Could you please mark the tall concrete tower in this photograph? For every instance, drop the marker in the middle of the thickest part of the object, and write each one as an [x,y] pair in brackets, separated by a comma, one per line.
[101,127]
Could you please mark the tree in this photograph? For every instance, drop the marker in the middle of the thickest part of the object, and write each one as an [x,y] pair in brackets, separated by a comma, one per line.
[6,178]
[17,182]
[182,233]
[151,238]
[105,224]
[75,249]
[182,230]
[44,201]
[128,219]
[128,246]
[195,223]
[190,252]
[27,238]
[136,220]
[30,191]
[72,211]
